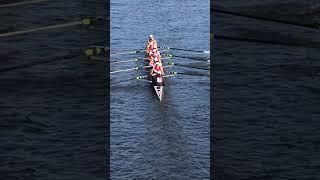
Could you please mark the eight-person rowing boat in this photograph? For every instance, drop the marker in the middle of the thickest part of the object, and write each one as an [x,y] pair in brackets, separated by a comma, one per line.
[156,72]
[154,64]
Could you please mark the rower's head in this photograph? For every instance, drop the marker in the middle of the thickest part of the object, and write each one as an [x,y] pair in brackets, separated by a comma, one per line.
[151,37]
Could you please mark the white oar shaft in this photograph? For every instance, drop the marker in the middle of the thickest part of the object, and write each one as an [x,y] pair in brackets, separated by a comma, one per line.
[145,80]
[169,75]
[131,52]
[131,60]
[128,52]
[118,62]
[136,68]
[41,29]
[123,70]
[172,48]
[21,3]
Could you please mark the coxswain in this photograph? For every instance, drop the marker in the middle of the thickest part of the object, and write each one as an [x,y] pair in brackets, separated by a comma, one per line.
[151,44]
[152,41]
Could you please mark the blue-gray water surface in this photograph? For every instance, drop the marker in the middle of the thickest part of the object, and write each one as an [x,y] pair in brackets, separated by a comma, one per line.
[168,139]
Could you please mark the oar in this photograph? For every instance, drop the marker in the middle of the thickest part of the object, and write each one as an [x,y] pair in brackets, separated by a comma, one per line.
[172,48]
[190,66]
[125,52]
[142,78]
[186,57]
[168,74]
[21,3]
[195,74]
[126,80]
[129,52]
[125,70]
[84,21]
[170,64]
[130,60]
[118,62]
[133,60]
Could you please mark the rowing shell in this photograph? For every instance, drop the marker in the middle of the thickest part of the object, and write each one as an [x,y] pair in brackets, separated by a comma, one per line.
[159,91]
[158,87]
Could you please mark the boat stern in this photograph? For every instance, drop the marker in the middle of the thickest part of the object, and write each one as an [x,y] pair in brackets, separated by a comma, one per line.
[159,91]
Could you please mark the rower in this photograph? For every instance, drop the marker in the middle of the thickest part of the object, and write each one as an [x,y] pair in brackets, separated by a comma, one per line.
[154,49]
[157,70]
[150,50]
[157,74]
[157,59]
[158,56]
[154,58]
[151,61]
[151,55]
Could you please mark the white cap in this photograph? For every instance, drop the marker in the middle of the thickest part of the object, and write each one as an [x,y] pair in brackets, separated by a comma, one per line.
[150,36]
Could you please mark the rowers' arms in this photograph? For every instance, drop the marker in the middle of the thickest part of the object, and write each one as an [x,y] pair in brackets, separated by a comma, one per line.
[151,72]
[162,71]
[147,47]
[151,63]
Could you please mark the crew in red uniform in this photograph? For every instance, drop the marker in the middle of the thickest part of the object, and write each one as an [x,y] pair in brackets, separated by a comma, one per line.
[157,70]
[154,58]
[157,56]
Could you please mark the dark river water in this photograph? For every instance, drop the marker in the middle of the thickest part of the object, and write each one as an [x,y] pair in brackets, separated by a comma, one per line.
[168,139]
[53,116]
[266,96]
